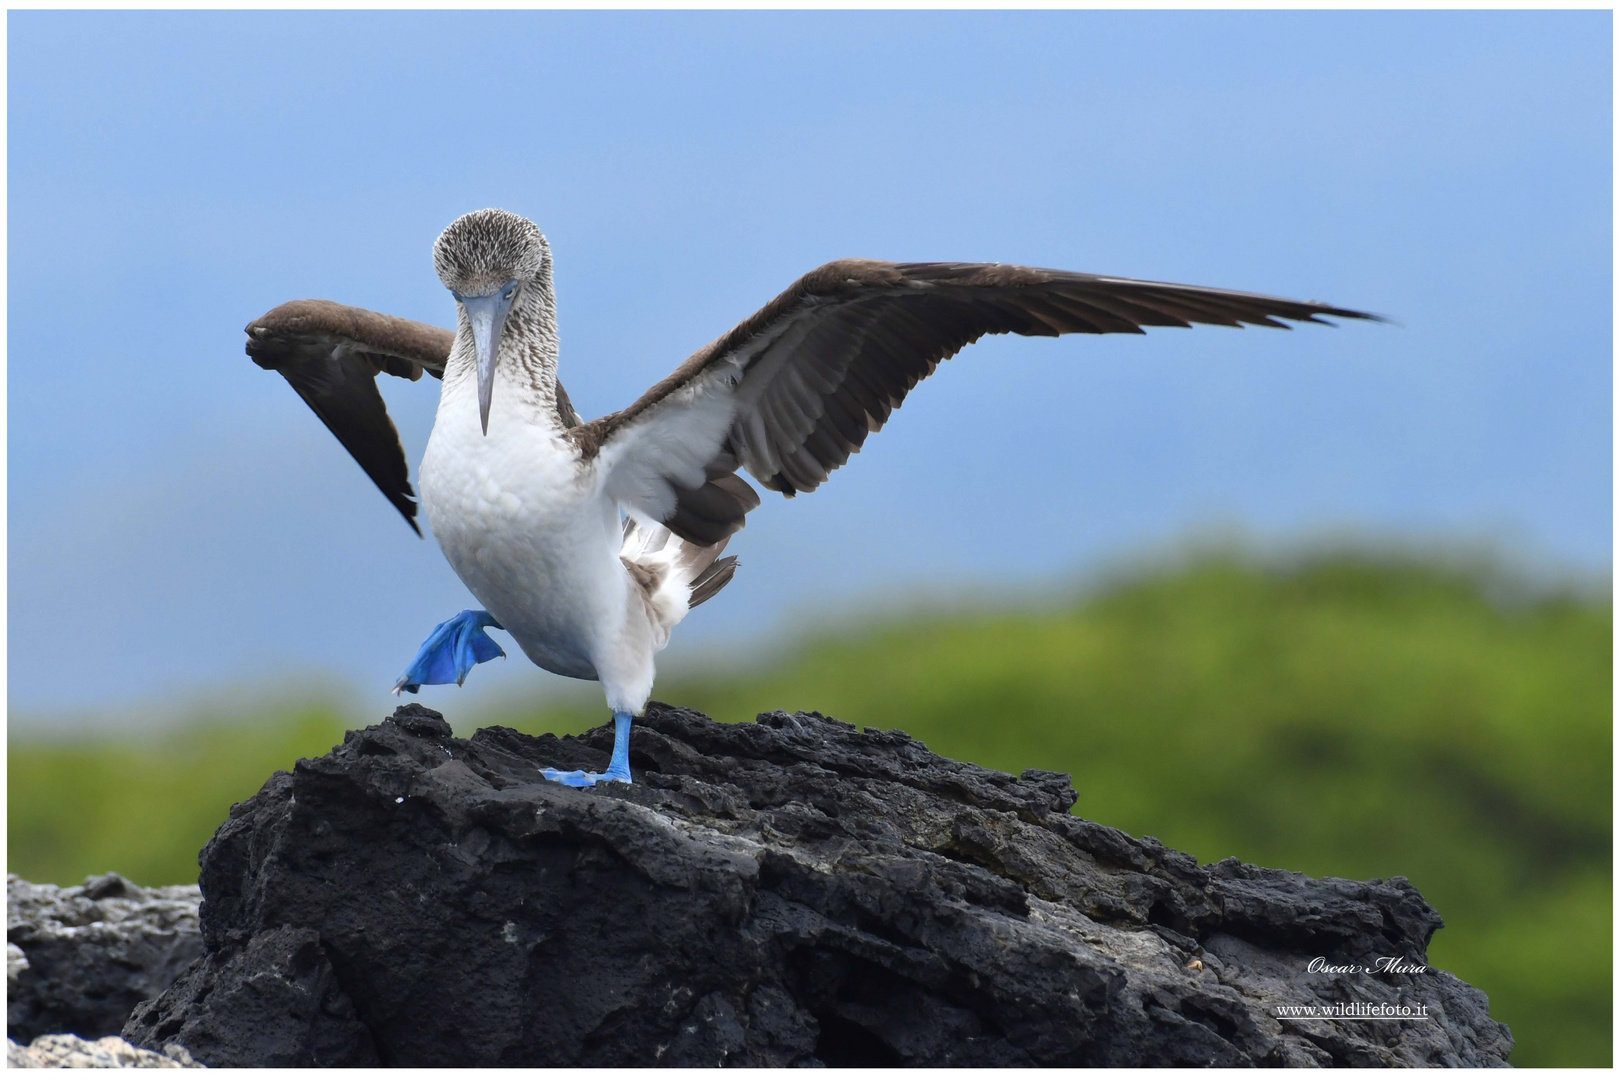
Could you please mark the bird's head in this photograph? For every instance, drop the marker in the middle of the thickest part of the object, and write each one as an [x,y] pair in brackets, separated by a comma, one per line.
[488,259]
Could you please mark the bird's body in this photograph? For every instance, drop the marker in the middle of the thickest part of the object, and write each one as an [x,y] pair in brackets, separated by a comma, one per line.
[530,531]
[589,542]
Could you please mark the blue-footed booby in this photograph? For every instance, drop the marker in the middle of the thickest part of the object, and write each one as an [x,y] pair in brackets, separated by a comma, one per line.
[588,542]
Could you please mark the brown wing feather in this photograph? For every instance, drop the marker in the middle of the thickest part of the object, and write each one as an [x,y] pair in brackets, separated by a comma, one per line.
[707,515]
[332,353]
[339,382]
[423,347]
[846,342]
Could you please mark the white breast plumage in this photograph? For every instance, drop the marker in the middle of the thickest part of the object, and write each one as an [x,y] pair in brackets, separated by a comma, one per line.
[521,524]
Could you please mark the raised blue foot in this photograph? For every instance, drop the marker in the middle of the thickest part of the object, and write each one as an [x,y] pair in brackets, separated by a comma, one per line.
[451,651]
[618,768]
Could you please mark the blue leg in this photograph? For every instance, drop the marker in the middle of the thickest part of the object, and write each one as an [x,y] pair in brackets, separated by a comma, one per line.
[618,769]
[451,651]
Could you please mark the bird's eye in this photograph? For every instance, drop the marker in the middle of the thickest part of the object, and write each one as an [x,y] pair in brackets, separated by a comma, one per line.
[511,292]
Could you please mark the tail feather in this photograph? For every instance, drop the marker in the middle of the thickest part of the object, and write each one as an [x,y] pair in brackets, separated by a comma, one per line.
[673,574]
[642,540]
[716,577]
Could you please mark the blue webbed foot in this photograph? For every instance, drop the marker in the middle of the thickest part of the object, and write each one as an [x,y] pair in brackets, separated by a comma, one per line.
[618,768]
[454,647]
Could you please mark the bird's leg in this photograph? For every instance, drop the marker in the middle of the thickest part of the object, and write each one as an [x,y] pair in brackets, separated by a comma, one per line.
[451,650]
[618,768]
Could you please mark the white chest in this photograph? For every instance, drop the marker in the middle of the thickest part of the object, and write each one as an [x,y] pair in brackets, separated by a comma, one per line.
[524,527]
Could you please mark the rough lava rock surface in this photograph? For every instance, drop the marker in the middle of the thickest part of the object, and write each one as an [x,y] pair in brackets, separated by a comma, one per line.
[791,891]
[79,959]
[110,1052]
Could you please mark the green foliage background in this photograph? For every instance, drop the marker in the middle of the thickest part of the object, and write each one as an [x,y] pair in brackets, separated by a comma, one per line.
[1350,714]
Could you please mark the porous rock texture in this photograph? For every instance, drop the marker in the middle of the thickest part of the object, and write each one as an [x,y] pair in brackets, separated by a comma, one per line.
[79,959]
[793,891]
[110,1052]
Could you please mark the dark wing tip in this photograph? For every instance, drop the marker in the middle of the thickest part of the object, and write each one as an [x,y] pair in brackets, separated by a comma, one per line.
[340,387]
[781,484]
[405,504]
[1317,309]
[1364,316]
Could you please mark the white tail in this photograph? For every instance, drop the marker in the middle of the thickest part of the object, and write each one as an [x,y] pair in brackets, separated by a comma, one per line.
[674,576]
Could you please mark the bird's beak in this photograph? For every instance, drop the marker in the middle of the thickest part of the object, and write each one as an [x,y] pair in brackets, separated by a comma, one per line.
[488,317]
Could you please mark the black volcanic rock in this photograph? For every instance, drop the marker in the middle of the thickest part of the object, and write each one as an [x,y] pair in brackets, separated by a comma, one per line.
[80,958]
[791,891]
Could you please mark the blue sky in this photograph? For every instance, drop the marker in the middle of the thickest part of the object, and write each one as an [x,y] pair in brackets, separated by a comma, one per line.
[180,523]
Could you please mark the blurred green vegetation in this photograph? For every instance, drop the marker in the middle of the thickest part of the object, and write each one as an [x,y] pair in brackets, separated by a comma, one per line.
[1349,714]
[145,808]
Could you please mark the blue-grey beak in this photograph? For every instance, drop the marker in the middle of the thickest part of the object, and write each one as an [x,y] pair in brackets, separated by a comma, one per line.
[488,317]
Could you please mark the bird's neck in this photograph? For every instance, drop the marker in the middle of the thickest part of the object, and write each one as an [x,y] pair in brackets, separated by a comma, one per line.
[529,346]
[527,361]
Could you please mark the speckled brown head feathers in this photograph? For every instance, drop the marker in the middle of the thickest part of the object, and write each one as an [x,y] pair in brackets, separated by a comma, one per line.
[485,249]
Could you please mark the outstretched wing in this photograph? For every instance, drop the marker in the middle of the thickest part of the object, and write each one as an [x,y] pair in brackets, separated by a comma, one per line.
[794,389]
[332,354]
